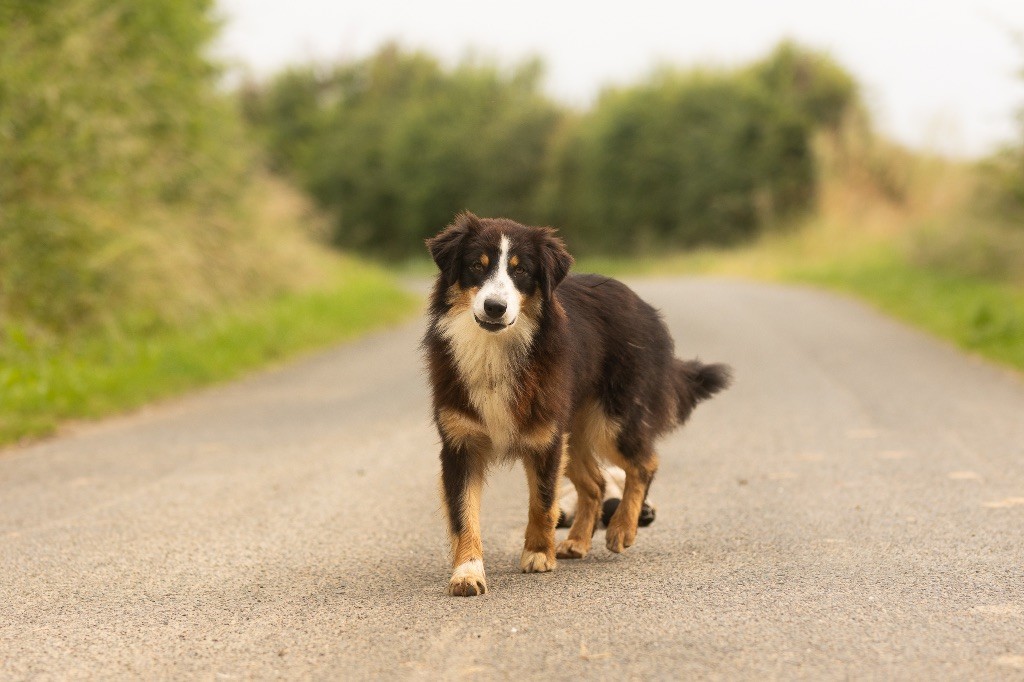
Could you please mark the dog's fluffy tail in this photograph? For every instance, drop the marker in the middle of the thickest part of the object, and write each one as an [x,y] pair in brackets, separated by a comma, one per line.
[694,381]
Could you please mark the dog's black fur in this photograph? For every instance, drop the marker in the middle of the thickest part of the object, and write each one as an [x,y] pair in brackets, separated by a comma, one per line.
[586,369]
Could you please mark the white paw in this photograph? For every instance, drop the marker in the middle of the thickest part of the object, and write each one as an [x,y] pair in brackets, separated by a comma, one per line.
[536,562]
[468,579]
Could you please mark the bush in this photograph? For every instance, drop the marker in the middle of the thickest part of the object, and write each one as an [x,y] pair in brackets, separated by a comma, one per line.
[126,184]
[987,240]
[684,159]
[394,145]
[810,83]
[972,247]
[1001,194]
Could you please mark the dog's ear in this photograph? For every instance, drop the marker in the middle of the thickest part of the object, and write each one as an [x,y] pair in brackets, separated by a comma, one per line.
[555,261]
[444,247]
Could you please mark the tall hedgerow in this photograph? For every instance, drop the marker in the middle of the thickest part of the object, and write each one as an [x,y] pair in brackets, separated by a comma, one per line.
[682,159]
[124,171]
[395,144]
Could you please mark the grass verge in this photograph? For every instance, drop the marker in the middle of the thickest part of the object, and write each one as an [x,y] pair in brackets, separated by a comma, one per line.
[102,374]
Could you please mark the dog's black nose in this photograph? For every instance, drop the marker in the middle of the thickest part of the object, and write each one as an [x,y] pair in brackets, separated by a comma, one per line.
[494,309]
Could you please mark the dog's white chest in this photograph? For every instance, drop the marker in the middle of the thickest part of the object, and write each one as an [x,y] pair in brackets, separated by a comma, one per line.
[491,386]
[487,365]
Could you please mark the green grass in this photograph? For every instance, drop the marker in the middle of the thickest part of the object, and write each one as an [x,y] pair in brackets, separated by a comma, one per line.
[103,374]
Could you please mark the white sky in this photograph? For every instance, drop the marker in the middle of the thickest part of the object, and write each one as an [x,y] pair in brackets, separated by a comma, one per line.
[938,74]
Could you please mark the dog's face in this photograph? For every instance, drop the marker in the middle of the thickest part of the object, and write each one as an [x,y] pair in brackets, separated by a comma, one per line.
[498,269]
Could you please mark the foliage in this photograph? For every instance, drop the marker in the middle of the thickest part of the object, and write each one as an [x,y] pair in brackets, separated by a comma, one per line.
[985,239]
[921,258]
[683,159]
[394,145]
[1001,195]
[969,245]
[811,83]
[127,192]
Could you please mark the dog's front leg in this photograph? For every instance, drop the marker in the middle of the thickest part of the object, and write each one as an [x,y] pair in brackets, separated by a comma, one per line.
[543,471]
[461,482]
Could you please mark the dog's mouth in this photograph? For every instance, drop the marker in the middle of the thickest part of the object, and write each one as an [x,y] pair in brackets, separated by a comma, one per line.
[492,326]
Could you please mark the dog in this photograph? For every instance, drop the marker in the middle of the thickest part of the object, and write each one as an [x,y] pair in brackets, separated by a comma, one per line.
[528,363]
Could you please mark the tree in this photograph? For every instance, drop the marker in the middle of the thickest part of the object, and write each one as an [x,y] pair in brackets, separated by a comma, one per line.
[394,145]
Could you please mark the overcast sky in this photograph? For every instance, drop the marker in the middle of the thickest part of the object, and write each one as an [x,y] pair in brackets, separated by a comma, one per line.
[938,74]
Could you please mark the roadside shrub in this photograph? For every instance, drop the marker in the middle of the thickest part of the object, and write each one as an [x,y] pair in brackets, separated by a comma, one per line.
[973,247]
[1001,194]
[683,159]
[811,83]
[988,239]
[394,145]
[127,187]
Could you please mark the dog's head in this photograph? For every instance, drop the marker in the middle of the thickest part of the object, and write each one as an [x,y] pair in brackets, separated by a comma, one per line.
[497,267]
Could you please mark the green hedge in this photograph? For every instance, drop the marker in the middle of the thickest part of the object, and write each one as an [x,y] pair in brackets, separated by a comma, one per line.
[395,144]
[124,172]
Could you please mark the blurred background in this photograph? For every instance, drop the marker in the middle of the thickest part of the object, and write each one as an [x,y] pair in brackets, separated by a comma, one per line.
[189,188]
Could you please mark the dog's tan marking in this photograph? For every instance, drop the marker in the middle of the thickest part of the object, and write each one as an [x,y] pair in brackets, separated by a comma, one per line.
[459,426]
[583,470]
[539,437]
[593,436]
[459,299]
[594,430]
[621,532]
[1011,661]
[1008,502]
[539,541]
[513,261]
[537,562]
[484,260]
[467,546]
[594,433]
[462,428]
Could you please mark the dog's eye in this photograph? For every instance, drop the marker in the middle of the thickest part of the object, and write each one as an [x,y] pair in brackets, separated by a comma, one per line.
[477,267]
[520,270]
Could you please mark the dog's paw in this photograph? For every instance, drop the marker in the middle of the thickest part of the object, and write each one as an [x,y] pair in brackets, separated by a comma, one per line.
[619,536]
[536,562]
[467,587]
[468,580]
[572,549]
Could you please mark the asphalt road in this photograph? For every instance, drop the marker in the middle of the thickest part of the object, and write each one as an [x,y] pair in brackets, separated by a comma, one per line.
[852,508]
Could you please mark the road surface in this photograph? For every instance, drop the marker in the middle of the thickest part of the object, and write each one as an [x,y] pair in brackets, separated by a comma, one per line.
[852,508]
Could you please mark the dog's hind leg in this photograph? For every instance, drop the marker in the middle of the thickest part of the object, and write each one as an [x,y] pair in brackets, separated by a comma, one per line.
[543,470]
[461,484]
[585,474]
[640,466]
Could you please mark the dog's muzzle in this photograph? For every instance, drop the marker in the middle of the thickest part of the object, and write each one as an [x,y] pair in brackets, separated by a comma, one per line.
[492,326]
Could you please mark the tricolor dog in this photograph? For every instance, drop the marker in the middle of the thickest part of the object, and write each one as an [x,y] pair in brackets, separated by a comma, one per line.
[560,372]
